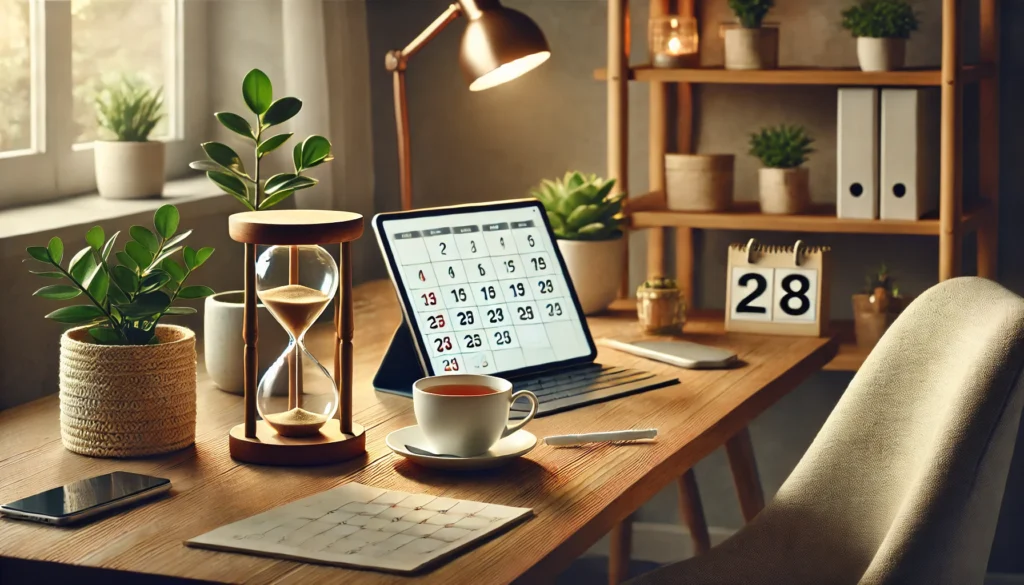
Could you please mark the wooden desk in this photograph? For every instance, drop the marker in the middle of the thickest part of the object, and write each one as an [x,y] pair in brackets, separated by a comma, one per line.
[578,494]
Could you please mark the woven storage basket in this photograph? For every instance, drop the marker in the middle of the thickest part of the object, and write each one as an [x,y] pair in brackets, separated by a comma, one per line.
[128,401]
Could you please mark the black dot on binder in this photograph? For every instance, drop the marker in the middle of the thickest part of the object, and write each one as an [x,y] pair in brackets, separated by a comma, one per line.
[856,189]
[899,189]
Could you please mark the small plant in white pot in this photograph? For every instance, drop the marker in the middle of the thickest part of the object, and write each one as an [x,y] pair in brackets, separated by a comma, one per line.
[127,381]
[881,28]
[587,221]
[783,180]
[750,45]
[129,166]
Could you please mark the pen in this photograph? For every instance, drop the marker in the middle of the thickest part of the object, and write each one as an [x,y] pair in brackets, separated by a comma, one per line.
[572,440]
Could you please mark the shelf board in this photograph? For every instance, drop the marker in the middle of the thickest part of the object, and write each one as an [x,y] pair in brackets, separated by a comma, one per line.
[802,76]
[747,215]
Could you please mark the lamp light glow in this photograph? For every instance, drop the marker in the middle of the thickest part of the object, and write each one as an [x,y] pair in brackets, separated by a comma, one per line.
[509,71]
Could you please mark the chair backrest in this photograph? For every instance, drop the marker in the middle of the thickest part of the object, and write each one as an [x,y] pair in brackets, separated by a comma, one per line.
[904,481]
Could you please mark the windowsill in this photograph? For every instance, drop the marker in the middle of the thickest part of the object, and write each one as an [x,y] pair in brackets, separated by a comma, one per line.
[194,197]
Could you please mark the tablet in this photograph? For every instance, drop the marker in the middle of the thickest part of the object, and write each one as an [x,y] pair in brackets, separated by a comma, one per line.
[484,289]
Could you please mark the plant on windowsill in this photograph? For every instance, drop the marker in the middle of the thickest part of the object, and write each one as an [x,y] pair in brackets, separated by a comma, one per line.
[783,180]
[751,46]
[587,220]
[660,306]
[127,381]
[223,312]
[881,28]
[876,307]
[128,165]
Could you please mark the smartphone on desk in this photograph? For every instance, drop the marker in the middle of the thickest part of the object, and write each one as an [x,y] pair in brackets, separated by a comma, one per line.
[86,498]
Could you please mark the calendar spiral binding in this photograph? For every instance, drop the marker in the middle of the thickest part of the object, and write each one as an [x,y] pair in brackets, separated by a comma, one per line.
[771,249]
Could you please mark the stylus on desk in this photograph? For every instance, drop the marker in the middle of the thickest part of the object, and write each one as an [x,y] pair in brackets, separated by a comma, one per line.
[573,440]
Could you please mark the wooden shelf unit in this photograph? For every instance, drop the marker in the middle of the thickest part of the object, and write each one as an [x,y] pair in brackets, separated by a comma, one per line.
[950,224]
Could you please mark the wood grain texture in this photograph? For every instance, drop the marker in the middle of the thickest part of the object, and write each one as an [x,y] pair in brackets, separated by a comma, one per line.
[988,138]
[692,512]
[802,76]
[331,445]
[620,549]
[950,145]
[578,494]
[740,451]
[283,227]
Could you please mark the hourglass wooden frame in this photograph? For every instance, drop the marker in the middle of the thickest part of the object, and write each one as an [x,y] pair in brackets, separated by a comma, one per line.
[255,441]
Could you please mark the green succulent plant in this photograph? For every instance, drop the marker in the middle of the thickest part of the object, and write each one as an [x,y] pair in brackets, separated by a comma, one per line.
[129,291]
[888,19]
[881,279]
[580,207]
[750,12]
[129,109]
[659,283]
[225,168]
[781,147]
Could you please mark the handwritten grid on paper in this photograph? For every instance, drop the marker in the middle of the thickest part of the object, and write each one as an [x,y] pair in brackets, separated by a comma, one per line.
[365,527]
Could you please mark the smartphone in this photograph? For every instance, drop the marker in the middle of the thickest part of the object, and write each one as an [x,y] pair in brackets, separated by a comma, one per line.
[87,498]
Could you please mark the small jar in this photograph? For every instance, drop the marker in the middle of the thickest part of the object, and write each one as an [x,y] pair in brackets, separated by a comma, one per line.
[660,310]
[673,40]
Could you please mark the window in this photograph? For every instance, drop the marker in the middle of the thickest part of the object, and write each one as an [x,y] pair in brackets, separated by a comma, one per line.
[55,56]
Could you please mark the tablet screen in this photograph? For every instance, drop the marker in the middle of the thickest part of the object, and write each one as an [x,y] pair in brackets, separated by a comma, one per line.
[484,288]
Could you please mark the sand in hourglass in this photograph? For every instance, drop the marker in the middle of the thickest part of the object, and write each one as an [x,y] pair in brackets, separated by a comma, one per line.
[296,307]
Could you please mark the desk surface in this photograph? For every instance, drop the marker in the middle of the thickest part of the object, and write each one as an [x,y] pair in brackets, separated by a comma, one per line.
[578,494]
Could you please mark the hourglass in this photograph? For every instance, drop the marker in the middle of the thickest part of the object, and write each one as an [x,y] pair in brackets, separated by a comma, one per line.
[305,411]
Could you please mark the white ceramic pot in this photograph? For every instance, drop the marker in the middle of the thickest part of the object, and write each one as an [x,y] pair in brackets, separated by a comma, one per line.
[222,339]
[131,400]
[881,54]
[129,170]
[596,270]
[752,48]
[784,191]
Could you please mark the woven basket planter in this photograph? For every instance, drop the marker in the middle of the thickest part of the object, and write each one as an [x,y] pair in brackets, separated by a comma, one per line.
[128,401]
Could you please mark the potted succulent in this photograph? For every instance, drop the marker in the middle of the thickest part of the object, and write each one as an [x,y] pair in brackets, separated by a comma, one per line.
[881,28]
[129,166]
[127,381]
[587,220]
[750,45]
[783,180]
[222,324]
[660,306]
[875,309]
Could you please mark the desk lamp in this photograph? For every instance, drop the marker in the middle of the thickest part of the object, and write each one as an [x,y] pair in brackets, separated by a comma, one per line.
[499,45]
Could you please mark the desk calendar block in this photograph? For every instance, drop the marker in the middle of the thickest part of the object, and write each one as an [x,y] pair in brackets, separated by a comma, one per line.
[777,289]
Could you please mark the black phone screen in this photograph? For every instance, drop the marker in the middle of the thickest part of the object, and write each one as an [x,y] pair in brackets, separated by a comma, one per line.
[87,493]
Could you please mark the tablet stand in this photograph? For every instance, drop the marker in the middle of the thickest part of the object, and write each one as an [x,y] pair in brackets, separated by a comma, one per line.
[400,366]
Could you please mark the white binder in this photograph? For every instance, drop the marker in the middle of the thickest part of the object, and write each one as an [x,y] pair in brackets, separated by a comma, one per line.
[857,153]
[909,147]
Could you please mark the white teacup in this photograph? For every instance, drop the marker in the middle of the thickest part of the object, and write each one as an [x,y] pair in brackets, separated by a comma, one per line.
[465,415]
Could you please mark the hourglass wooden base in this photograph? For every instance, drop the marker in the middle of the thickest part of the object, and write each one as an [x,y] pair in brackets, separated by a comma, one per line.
[254,441]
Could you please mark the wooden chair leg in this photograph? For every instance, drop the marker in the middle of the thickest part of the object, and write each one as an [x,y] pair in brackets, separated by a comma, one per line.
[744,474]
[693,513]
[620,551]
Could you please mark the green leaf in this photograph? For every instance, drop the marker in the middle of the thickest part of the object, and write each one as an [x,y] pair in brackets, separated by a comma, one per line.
[127,261]
[154,281]
[145,237]
[180,311]
[98,285]
[125,279]
[297,157]
[202,255]
[257,91]
[277,182]
[189,256]
[583,215]
[166,220]
[45,274]
[225,156]
[166,253]
[272,143]
[235,123]
[109,246]
[556,221]
[195,292]
[39,253]
[117,297]
[81,263]
[76,314]
[282,110]
[231,185]
[276,198]
[139,254]
[205,165]
[104,334]
[146,305]
[315,150]
[174,269]
[56,249]
[58,292]
[95,237]
[177,239]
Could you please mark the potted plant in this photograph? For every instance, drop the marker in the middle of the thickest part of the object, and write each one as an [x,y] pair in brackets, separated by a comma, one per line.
[587,220]
[129,166]
[127,381]
[783,181]
[881,28]
[222,319]
[660,306]
[875,309]
[751,46]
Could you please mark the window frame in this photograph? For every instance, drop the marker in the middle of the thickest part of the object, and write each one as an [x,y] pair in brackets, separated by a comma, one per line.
[54,167]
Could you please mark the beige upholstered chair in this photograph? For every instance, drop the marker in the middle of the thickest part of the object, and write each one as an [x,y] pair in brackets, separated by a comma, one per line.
[904,482]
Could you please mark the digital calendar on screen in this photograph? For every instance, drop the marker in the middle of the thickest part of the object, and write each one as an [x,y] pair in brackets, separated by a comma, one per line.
[484,288]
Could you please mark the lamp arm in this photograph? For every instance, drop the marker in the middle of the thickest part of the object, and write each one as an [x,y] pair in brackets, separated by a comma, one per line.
[396,62]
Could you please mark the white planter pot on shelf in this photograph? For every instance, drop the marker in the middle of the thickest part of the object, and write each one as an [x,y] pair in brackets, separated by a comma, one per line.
[881,54]
[752,48]
[222,339]
[129,170]
[596,270]
[784,191]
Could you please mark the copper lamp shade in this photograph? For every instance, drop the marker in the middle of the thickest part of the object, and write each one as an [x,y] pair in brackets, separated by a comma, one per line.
[499,45]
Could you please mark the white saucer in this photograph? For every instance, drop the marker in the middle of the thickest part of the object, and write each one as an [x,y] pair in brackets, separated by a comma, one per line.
[515,445]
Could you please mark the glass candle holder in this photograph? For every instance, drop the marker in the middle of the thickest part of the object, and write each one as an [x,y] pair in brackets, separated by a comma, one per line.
[673,38]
